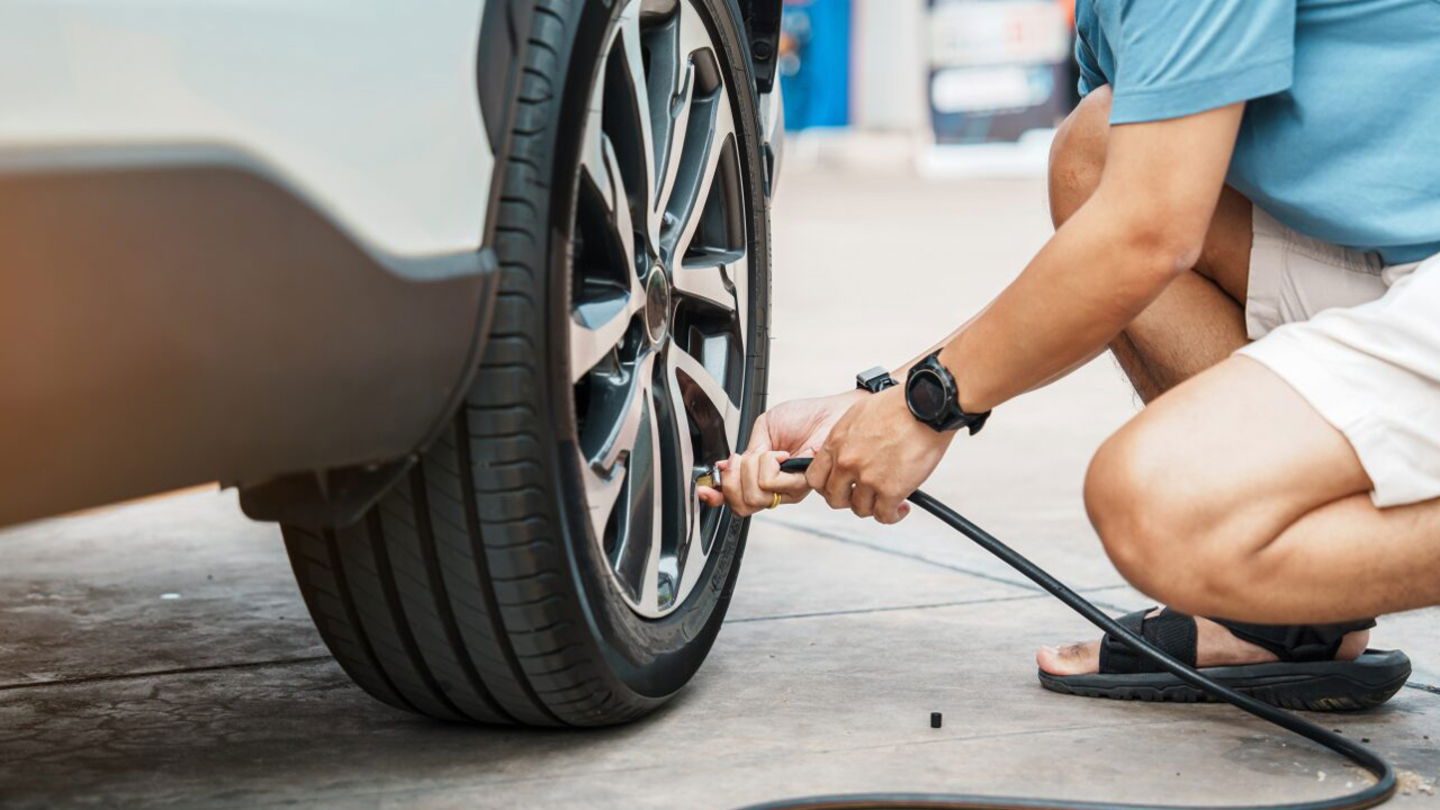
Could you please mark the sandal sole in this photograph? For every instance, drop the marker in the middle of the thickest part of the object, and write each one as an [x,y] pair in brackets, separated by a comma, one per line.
[1320,686]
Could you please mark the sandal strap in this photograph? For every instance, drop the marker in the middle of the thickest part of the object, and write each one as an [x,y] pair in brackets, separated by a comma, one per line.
[1170,631]
[1296,642]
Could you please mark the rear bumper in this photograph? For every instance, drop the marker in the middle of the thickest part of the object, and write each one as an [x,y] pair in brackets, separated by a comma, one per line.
[176,316]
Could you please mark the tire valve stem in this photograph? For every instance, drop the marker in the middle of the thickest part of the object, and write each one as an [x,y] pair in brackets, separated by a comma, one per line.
[708,477]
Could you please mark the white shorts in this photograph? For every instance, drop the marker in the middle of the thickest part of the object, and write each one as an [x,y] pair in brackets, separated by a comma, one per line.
[1360,341]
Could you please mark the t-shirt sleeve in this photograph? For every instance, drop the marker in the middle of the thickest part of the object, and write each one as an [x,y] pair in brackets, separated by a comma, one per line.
[1180,57]
[1091,75]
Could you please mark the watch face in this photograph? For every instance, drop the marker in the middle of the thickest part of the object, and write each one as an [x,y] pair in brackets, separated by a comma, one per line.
[926,394]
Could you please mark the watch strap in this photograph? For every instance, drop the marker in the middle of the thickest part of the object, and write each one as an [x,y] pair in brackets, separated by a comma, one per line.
[961,418]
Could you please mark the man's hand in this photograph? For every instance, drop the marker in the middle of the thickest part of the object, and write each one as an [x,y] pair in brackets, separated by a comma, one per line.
[876,456]
[794,428]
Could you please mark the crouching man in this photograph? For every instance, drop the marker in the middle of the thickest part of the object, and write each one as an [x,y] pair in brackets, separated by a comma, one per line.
[1247,211]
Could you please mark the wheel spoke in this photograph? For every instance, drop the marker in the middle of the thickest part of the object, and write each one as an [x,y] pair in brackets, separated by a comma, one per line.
[684,446]
[592,156]
[625,430]
[667,80]
[692,36]
[654,536]
[601,166]
[605,471]
[592,344]
[602,492]
[597,328]
[673,84]
[690,552]
[719,279]
[706,282]
[683,108]
[632,63]
[687,211]
[635,561]
[686,368]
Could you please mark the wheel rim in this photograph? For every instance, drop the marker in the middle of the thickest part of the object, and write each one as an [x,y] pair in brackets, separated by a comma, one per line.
[659,299]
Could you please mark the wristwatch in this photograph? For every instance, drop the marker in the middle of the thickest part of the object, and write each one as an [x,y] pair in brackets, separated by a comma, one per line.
[933,398]
[875,380]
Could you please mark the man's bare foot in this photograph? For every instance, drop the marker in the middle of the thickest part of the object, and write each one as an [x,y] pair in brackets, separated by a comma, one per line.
[1214,647]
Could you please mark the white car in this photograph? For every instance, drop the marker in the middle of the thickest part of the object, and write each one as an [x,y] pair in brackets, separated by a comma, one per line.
[464,294]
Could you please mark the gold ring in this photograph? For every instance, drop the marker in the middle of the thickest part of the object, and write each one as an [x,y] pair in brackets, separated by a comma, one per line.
[775,501]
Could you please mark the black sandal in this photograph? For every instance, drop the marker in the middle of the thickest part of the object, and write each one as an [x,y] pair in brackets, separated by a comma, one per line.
[1307,676]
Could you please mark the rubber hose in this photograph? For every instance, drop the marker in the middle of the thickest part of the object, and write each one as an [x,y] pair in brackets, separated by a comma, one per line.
[1377,793]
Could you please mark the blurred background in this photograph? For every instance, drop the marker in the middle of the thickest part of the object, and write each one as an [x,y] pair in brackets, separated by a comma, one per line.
[960,87]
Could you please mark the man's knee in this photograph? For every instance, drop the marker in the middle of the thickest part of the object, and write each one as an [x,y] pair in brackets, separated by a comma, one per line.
[1160,534]
[1077,155]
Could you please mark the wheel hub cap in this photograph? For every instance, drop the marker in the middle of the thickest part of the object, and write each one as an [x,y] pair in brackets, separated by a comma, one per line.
[657,306]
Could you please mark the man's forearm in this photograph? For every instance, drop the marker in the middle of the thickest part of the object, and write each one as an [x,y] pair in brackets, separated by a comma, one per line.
[1143,226]
[902,371]
[1095,275]
[1074,353]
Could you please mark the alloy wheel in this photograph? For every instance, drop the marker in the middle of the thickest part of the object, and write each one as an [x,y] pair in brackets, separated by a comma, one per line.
[659,299]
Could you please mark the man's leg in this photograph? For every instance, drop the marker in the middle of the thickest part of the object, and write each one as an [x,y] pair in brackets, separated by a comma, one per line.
[1200,318]
[1264,515]
[1196,323]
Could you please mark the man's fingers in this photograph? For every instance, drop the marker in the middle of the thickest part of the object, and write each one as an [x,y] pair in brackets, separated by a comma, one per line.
[744,490]
[862,501]
[792,486]
[819,471]
[839,481]
[755,497]
[710,496]
[730,484]
[890,509]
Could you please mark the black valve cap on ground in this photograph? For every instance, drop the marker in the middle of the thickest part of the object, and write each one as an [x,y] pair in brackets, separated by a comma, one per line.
[935,719]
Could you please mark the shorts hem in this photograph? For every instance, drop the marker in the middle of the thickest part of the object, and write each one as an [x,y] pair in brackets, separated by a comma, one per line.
[1364,430]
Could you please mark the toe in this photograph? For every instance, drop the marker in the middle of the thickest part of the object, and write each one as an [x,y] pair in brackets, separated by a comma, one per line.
[1072,659]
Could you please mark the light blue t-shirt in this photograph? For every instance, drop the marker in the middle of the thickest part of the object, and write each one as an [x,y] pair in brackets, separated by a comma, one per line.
[1341,136]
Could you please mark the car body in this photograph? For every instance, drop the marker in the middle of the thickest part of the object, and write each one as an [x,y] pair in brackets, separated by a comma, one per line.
[244,240]
[462,294]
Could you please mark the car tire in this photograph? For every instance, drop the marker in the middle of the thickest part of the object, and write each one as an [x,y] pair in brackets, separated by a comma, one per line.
[506,578]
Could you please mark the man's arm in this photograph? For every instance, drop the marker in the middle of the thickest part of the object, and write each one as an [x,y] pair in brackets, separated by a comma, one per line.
[900,372]
[1144,225]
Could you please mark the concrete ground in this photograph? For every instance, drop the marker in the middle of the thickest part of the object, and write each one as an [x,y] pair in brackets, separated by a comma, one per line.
[157,654]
